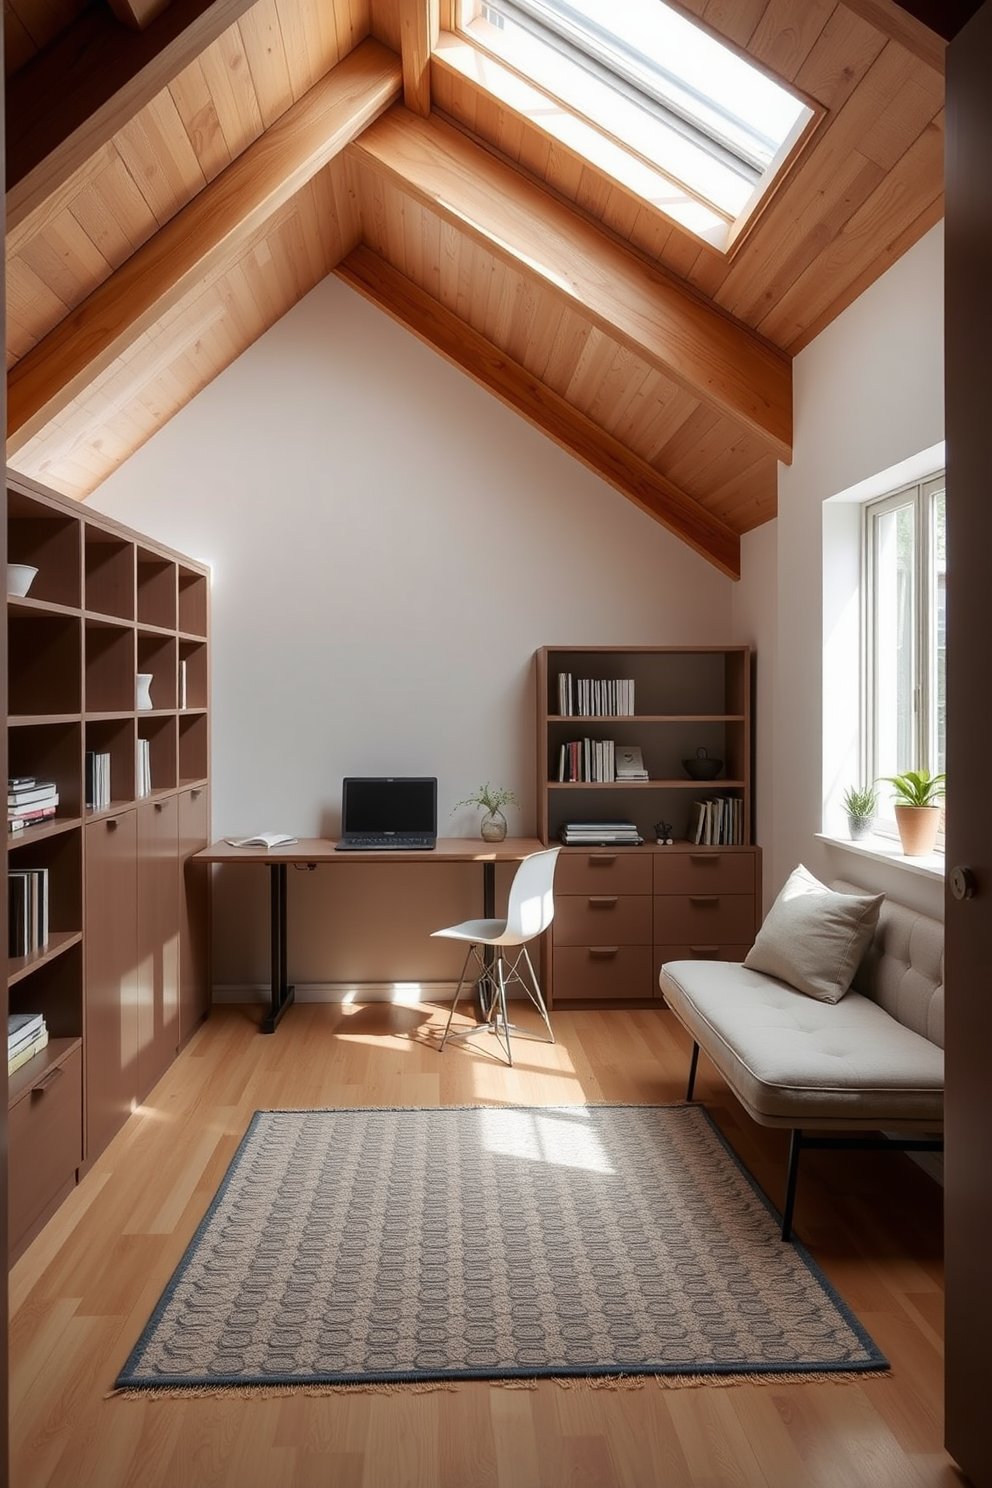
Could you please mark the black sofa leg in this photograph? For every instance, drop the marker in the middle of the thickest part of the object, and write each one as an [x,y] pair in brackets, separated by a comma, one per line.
[795,1147]
[692,1071]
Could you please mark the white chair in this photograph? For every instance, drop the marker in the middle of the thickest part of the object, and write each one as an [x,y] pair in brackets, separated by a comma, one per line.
[529,911]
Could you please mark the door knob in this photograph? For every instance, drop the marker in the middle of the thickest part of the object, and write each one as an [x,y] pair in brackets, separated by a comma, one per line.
[963,885]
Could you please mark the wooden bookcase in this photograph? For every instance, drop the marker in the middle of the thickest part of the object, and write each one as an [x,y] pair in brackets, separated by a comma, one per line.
[621,911]
[122,978]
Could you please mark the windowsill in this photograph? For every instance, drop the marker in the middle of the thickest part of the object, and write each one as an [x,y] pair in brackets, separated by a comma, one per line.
[885,850]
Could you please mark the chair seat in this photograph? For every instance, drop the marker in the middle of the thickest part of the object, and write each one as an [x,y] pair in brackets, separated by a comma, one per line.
[485,932]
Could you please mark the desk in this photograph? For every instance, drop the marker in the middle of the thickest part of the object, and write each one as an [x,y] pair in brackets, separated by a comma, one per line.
[314,851]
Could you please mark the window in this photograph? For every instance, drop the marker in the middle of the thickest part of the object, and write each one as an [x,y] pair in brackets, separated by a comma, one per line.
[657,87]
[905,589]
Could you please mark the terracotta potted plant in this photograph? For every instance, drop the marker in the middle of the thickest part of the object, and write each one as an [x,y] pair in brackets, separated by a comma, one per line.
[492,799]
[918,795]
[860,802]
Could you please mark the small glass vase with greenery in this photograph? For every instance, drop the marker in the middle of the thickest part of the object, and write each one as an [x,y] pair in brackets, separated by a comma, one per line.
[860,802]
[491,799]
[918,797]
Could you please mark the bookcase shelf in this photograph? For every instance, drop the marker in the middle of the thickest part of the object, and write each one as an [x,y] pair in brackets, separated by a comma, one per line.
[118,988]
[621,911]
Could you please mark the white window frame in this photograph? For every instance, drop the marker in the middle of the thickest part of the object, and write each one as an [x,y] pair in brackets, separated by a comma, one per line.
[926,574]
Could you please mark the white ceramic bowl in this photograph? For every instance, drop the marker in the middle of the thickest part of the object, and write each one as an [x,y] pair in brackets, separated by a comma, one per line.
[20,577]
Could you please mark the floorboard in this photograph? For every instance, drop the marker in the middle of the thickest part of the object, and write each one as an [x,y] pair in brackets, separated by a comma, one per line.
[82,1292]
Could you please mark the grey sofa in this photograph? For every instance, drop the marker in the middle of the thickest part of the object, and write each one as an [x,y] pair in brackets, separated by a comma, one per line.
[871,1063]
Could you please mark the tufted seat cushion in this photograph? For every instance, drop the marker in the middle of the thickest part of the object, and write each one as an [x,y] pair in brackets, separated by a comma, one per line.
[793,1061]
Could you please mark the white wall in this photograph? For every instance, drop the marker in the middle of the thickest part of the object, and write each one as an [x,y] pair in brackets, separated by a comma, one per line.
[390,546]
[868,397]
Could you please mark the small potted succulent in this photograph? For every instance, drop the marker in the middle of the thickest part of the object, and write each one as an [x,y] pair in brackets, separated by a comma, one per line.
[918,795]
[860,802]
[491,799]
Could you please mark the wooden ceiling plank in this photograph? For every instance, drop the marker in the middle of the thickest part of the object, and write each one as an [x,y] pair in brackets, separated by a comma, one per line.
[267,61]
[734,20]
[514,386]
[893,21]
[716,358]
[846,49]
[232,91]
[419,32]
[75,96]
[787,33]
[196,106]
[157,152]
[160,273]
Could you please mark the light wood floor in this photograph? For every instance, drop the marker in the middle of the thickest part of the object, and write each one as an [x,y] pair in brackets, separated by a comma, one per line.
[85,1288]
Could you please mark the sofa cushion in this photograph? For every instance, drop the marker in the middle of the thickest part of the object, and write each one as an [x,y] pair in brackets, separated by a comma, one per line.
[814,938]
[795,1061]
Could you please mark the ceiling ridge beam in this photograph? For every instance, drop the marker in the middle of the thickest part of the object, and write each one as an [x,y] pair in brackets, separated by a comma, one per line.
[520,390]
[188,247]
[716,358]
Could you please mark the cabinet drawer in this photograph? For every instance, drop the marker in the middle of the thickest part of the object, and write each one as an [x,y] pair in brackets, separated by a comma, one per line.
[704,872]
[606,973]
[700,952]
[45,1130]
[604,872]
[602,919]
[703,919]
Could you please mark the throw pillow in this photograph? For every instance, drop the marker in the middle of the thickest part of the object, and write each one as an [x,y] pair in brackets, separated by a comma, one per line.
[813,938]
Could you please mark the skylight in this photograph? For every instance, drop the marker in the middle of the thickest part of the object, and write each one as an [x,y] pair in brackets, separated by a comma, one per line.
[656,86]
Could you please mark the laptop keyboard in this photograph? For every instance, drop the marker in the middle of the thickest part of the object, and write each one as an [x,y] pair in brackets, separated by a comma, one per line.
[371,840]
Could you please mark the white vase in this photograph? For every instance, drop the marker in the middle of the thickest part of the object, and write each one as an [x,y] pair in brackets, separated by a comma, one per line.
[144,699]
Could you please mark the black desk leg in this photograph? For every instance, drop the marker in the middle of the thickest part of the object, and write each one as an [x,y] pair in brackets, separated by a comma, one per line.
[484,983]
[282,995]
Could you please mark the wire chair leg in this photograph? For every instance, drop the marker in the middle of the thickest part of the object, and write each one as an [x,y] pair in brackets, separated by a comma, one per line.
[498,1010]
[536,995]
[458,993]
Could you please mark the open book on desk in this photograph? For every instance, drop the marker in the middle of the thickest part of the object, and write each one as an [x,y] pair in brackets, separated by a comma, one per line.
[262,839]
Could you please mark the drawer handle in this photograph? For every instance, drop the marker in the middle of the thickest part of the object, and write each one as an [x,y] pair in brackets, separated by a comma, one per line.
[704,857]
[603,950]
[111,824]
[600,860]
[706,953]
[603,901]
[704,899]
[46,1080]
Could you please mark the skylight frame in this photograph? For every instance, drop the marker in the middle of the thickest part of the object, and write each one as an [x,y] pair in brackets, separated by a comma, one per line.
[728,187]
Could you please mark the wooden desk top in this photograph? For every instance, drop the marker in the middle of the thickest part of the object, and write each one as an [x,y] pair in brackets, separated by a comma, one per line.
[322,850]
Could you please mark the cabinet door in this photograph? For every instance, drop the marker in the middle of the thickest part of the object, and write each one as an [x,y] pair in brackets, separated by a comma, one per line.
[194,912]
[158,939]
[45,1148]
[110,998]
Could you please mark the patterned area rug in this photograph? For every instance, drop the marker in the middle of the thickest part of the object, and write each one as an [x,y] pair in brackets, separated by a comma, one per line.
[351,1246]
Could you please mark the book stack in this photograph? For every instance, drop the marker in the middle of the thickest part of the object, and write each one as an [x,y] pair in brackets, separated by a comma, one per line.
[586,759]
[97,780]
[595,697]
[600,834]
[29,801]
[718,822]
[629,763]
[27,1035]
[28,896]
[143,774]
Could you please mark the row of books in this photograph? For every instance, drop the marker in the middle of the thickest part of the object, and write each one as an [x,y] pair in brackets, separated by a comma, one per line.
[97,779]
[27,1035]
[143,774]
[718,822]
[27,892]
[599,760]
[600,834]
[29,801]
[595,697]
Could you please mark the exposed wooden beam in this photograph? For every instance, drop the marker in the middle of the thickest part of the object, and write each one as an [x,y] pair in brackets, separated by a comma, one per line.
[466,348]
[204,233]
[714,357]
[419,30]
[74,96]
[909,31]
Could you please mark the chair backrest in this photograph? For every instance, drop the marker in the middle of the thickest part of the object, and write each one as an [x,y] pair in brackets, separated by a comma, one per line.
[531,905]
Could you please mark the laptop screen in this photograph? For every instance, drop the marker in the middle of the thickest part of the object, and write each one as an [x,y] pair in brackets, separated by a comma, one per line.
[389,803]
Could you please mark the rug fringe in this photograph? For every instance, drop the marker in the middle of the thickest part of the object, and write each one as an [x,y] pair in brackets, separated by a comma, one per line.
[451,1387]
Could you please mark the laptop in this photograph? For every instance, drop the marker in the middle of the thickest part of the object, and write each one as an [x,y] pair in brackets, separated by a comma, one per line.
[388,812]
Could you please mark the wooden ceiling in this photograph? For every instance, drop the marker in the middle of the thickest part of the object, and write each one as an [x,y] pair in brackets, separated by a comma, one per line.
[180,174]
